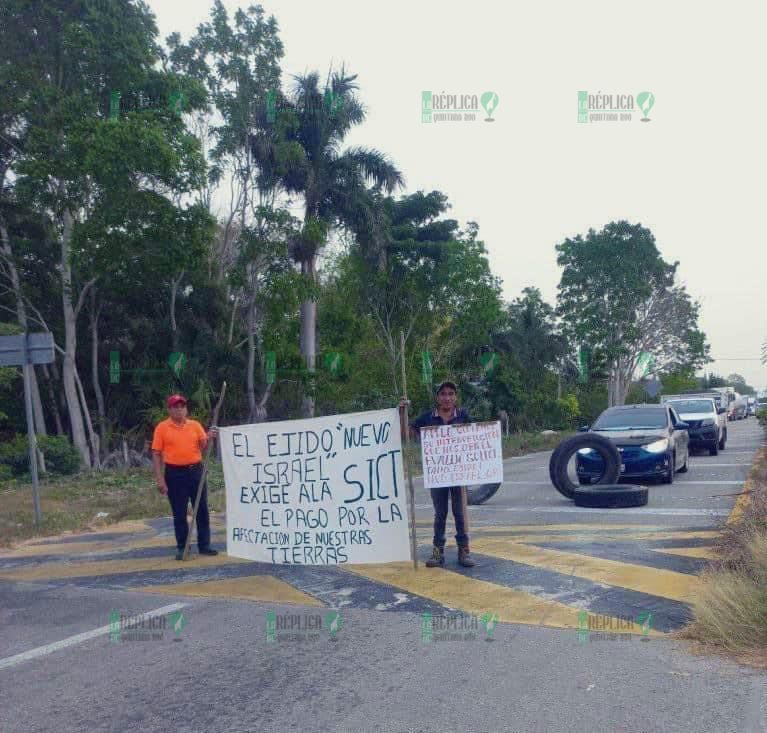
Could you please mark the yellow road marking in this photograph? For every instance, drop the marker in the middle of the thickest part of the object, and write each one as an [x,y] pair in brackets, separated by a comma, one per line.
[52,571]
[707,553]
[654,581]
[249,588]
[475,596]
[535,538]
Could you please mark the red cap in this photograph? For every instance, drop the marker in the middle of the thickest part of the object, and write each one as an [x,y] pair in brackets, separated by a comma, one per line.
[176,399]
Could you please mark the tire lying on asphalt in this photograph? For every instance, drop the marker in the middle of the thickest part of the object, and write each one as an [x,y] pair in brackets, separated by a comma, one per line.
[480,494]
[565,451]
[605,496]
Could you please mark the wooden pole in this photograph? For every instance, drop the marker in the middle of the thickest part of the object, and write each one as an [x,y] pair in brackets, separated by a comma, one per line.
[408,466]
[465,506]
[204,474]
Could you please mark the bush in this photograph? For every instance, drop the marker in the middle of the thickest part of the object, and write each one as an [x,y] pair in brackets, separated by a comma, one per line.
[61,457]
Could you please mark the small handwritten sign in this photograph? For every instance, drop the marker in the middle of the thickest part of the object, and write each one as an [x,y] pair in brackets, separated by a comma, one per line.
[461,455]
[325,491]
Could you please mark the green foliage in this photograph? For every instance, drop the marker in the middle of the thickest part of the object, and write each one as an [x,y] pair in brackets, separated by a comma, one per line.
[61,457]
[678,382]
[617,295]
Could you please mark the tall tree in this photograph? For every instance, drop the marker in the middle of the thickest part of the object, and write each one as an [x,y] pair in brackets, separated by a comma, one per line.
[617,295]
[81,157]
[331,180]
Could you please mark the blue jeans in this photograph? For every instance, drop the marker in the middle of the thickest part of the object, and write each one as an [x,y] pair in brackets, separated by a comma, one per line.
[182,488]
[439,498]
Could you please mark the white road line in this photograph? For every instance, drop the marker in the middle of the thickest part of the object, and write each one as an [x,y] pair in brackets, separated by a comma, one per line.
[42,651]
[709,483]
[636,510]
[722,465]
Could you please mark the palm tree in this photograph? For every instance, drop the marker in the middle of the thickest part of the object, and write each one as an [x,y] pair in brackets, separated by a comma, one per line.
[335,184]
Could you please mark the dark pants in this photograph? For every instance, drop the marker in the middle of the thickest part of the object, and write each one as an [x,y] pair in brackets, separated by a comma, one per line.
[439,498]
[182,489]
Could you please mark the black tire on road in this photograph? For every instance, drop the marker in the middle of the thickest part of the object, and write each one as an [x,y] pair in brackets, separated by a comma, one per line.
[723,441]
[480,494]
[567,448]
[713,449]
[605,496]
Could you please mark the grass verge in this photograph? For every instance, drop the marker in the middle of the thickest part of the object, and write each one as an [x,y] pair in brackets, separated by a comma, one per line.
[73,503]
[730,610]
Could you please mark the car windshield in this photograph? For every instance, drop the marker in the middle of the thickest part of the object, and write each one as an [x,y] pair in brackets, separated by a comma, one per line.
[631,420]
[693,405]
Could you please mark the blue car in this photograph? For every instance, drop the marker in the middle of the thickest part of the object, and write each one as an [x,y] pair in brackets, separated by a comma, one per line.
[652,440]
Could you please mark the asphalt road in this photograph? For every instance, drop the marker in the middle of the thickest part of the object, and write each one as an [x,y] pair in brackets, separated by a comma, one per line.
[231,665]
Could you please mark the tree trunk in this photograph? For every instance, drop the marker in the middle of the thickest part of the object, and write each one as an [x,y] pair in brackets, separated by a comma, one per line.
[52,397]
[70,346]
[251,387]
[94,314]
[309,331]
[92,435]
[21,315]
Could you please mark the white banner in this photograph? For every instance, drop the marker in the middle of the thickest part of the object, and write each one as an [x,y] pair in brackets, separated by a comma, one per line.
[461,455]
[324,491]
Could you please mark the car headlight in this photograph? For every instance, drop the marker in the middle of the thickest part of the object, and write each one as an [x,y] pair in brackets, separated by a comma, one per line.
[586,451]
[706,422]
[657,447]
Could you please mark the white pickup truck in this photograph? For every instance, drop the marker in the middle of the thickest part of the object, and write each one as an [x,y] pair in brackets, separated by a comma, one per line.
[706,414]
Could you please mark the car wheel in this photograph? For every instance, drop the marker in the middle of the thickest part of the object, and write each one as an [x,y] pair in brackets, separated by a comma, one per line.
[668,477]
[723,441]
[567,448]
[684,468]
[605,496]
[713,450]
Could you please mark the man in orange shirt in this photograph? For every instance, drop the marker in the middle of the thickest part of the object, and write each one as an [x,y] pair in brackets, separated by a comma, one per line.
[178,444]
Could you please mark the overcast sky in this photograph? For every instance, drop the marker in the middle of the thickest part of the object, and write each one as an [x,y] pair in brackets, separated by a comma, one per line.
[694,174]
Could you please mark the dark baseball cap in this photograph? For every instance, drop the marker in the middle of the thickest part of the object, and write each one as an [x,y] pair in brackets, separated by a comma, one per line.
[446,383]
[176,399]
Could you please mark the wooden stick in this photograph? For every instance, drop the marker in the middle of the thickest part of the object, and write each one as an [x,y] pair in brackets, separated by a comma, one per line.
[204,474]
[411,490]
[465,506]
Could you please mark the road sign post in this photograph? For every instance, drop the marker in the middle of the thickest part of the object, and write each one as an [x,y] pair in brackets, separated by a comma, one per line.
[24,351]
[31,437]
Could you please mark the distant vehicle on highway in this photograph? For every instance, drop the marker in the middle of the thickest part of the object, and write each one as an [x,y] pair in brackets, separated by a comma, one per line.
[738,409]
[721,400]
[751,409]
[652,439]
[708,429]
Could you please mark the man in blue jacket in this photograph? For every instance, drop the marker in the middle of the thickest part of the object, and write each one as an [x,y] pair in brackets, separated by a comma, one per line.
[446,412]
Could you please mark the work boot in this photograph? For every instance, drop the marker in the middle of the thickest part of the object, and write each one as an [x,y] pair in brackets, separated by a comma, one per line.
[464,557]
[437,559]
